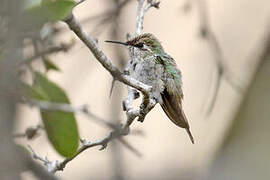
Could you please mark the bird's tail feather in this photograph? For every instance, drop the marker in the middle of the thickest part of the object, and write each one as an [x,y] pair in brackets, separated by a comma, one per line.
[190,135]
[173,108]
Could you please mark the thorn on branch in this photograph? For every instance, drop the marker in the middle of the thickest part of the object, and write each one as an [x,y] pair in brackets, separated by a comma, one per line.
[124,106]
[154,3]
[112,86]
[104,145]
[80,2]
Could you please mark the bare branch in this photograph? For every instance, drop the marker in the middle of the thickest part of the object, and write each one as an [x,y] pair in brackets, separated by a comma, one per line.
[50,106]
[87,144]
[140,17]
[141,12]
[51,165]
[56,165]
[64,47]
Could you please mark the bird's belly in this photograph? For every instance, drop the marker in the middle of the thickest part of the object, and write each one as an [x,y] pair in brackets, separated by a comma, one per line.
[151,74]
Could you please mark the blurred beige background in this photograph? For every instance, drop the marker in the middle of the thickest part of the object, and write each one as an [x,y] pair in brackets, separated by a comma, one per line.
[167,151]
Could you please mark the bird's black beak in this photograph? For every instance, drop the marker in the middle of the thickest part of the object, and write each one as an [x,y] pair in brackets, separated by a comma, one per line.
[117,42]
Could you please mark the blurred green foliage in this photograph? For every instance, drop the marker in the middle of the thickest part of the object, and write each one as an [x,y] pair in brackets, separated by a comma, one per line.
[47,11]
[61,127]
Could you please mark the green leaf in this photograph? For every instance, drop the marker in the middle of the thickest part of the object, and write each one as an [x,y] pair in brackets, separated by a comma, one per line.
[48,11]
[61,127]
[49,65]
[58,10]
[31,92]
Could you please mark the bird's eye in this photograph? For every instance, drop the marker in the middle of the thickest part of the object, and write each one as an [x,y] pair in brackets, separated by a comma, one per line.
[139,45]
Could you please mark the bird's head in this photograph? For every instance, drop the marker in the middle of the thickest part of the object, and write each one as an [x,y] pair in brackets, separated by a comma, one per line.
[144,42]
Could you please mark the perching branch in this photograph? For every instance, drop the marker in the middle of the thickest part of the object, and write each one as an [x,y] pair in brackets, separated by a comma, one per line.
[146,106]
[148,103]
[90,42]
[101,57]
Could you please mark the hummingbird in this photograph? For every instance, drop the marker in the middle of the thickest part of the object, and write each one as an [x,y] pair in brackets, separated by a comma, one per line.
[154,67]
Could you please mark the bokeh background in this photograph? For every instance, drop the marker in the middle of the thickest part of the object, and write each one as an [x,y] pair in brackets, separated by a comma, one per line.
[167,153]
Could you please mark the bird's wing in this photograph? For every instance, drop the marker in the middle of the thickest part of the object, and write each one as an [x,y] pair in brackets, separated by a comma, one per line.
[172,98]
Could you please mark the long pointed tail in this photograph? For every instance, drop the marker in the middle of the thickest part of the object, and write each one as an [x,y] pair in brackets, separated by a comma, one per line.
[190,135]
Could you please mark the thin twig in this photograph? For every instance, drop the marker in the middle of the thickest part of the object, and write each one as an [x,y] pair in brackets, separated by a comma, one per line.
[30,133]
[50,106]
[51,165]
[56,165]
[50,50]
[141,11]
